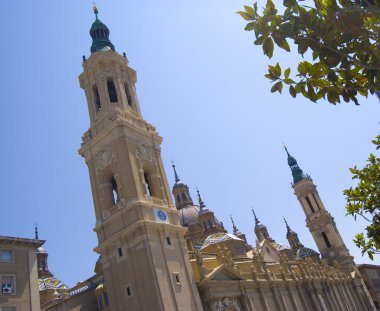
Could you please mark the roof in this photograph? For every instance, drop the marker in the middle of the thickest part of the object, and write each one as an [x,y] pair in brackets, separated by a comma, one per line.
[50,283]
[304,252]
[21,241]
[217,238]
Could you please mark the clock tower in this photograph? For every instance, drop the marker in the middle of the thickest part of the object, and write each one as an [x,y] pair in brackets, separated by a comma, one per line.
[140,239]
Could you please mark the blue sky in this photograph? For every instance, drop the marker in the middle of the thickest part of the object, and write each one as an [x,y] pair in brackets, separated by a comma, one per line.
[200,82]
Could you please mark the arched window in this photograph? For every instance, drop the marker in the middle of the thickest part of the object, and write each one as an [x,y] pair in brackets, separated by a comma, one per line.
[115,191]
[310,205]
[178,198]
[147,184]
[184,197]
[210,224]
[112,91]
[128,95]
[95,93]
[324,236]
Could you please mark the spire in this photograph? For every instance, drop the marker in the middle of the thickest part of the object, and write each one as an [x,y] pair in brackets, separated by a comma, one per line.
[297,173]
[175,173]
[235,229]
[36,231]
[100,35]
[257,221]
[288,230]
[95,11]
[201,203]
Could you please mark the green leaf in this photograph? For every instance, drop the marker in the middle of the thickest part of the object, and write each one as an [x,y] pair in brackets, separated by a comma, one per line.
[259,40]
[245,15]
[250,26]
[281,42]
[278,69]
[277,87]
[268,47]
[287,73]
[302,46]
[249,10]
[292,91]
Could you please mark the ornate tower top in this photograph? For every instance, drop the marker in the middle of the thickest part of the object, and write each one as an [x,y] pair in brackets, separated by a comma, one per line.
[181,192]
[297,173]
[260,229]
[100,35]
[235,229]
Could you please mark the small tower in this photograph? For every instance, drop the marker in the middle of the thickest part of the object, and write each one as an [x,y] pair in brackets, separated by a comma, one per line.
[208,220]
[181,192]
[319,221]
[261,230]
[140,239]
[292,238]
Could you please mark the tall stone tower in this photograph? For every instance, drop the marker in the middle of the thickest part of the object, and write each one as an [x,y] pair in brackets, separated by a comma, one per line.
[144,254]
[319,221]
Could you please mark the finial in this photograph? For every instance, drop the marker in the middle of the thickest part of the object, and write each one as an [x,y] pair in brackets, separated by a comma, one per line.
[36,231]
[286,149]
[254,214]
[235,230]
[201,203]
[287,226]
[175,173]
[95,7]
[125,56]
[84,58]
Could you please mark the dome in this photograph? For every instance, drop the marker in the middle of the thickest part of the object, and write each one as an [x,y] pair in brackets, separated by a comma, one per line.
[204,210]
[290,232]
[304,252]
[50,283]
[98,25]
[188,215]
[40,250]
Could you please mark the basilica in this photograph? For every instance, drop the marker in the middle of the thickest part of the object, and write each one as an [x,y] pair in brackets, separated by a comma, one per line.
[156,253]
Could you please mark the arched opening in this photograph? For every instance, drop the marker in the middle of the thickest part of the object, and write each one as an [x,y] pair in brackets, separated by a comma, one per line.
[128,95]
[310,205]
[178,198]
[112,91]
[115,191]
[148,185]
[324,236]
[184,197]
[95,93]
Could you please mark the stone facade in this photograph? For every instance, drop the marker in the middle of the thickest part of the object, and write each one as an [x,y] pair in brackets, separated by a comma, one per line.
[18,274]
[371,278]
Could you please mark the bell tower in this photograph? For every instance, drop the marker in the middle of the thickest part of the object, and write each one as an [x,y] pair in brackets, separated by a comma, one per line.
[140,239]
[319,221]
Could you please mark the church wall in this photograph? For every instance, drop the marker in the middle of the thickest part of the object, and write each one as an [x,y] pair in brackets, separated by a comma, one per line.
[85,301]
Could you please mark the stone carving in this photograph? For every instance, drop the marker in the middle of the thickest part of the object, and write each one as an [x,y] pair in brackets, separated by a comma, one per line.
[104,158]
[144,152]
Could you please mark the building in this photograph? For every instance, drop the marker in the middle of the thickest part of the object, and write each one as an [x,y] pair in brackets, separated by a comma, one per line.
[371,277]
[156,254]
[18,274]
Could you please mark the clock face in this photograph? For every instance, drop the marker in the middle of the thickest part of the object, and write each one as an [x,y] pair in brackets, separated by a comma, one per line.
[162,215]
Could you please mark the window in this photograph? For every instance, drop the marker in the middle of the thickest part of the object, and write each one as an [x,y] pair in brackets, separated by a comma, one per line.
[177,277]
[95,93]
[310,205]
[147,184]
[168,241]
[326,240]
[210,224]
[8,309]
[7,284]
[129,291]
[315,199]
[115,192]
[112,91]
[6,255]
[178,198]
[128,95]
[120,252]
[184,197]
